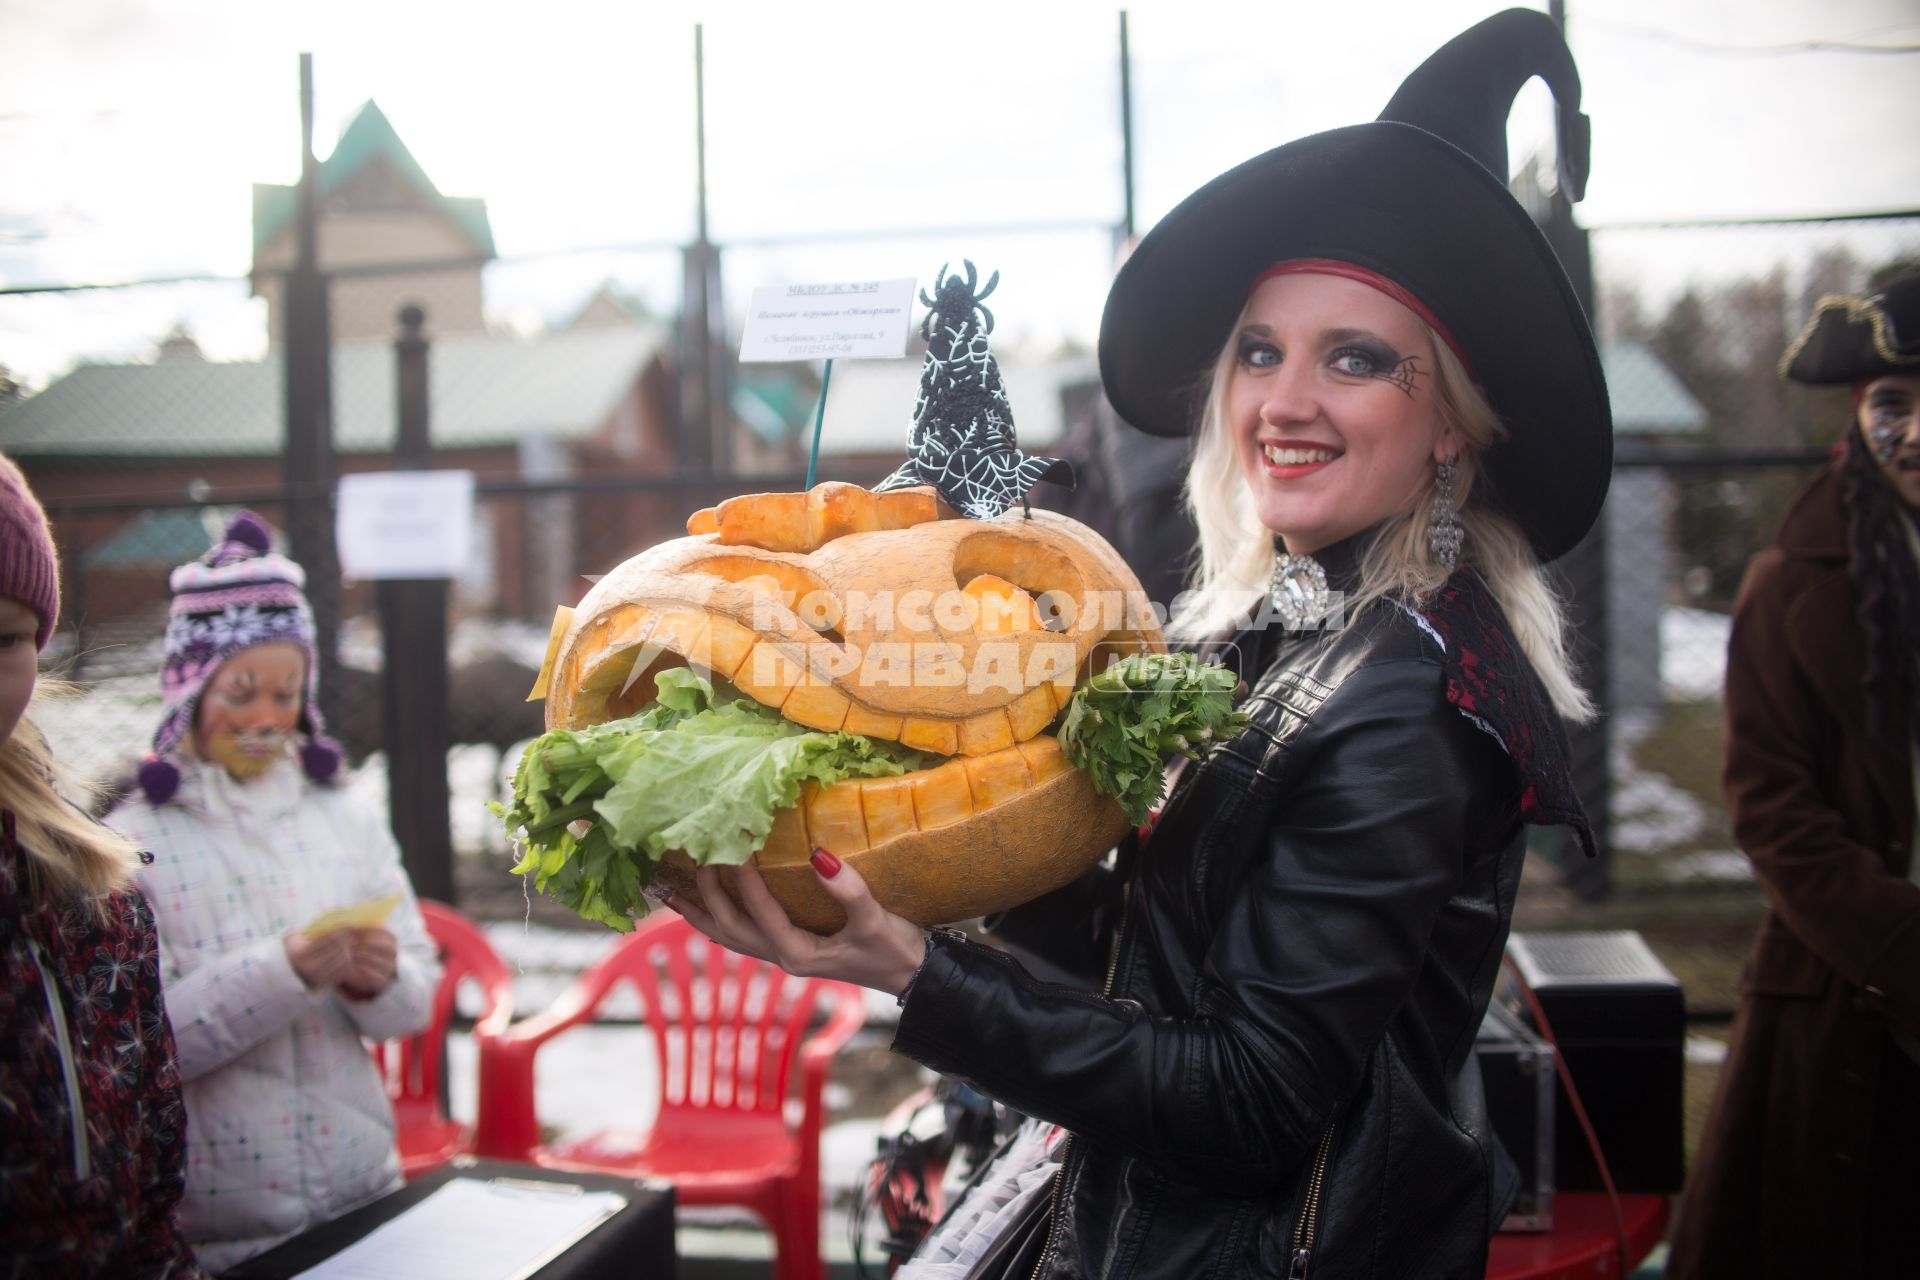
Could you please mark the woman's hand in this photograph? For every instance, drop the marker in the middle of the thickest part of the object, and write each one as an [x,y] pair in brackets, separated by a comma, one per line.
[376,955]
[875,948]
[321,962]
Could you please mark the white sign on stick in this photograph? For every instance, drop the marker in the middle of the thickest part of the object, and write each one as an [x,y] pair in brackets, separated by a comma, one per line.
[861,319]
[404,524]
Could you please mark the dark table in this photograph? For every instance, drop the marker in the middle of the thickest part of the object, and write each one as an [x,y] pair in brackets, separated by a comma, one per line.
[635,1244]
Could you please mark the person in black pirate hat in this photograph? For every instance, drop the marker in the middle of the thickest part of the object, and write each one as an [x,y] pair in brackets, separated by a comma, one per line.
[1265,1057]
[1806,1165]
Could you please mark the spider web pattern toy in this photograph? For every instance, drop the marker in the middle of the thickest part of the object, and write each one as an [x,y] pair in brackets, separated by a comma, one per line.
[962,440]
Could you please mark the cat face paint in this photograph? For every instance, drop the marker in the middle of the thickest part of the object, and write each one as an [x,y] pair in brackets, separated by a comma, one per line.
[246,755]
[251,707]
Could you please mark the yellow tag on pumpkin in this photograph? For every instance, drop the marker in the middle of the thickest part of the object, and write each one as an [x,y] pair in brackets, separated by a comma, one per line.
[562,619]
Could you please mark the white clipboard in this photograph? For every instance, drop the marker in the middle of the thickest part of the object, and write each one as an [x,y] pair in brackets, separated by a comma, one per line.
[474,1229]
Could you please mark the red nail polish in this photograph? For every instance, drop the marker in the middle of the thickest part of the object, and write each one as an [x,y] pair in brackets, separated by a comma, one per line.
[825,863]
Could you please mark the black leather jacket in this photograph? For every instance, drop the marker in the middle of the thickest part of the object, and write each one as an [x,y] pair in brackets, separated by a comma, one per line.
[1300,956]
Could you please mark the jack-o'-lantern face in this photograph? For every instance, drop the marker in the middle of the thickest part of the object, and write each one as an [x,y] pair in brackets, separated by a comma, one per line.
[849,610]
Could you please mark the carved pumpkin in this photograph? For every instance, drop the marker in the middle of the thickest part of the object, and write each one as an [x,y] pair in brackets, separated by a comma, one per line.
[845,609]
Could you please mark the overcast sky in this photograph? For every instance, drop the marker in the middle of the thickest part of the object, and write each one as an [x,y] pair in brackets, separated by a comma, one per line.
[131,132]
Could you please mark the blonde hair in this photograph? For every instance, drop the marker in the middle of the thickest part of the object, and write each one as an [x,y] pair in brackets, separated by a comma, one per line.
[70,857]
[1236,551]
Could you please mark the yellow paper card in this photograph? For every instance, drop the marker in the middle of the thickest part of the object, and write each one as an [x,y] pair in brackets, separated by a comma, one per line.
[562,619]
[361,915]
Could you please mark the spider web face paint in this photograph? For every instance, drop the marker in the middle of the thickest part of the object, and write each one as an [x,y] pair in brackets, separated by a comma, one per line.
[962,440]
[1402,374]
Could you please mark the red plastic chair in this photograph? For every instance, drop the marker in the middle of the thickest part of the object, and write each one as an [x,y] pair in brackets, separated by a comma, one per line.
[415,1068]
[727,1032]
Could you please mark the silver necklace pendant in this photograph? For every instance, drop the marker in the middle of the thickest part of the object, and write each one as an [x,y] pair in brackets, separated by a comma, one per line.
[1299,592]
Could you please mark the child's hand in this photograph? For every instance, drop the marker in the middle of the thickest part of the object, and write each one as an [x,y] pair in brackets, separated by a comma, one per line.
[375,955]
[321,962]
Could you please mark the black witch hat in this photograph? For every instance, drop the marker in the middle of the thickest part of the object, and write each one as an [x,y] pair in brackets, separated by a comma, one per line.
[1418,196]
[1850,338]
[961,441]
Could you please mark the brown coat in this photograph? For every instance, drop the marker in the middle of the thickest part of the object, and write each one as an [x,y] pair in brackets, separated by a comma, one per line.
[1779,1185]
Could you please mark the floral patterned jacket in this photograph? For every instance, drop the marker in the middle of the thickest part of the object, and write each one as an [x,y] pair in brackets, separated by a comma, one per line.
[93,1135]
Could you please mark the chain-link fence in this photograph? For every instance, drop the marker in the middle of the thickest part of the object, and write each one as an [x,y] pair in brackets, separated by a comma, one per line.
[566,402]
[1712,447]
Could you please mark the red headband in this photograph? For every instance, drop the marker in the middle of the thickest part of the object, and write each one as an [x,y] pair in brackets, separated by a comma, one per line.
[1373,280]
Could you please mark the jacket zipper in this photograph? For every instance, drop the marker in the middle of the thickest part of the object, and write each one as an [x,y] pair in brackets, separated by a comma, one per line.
[1066,1145]
[76,1111]
[1309,1224]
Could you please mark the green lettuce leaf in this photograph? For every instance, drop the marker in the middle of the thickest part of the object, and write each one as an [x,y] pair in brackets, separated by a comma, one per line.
[1123,724]
[597,807]
[704,772]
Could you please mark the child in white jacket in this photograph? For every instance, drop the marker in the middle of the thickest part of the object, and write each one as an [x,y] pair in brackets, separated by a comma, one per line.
[288,1122]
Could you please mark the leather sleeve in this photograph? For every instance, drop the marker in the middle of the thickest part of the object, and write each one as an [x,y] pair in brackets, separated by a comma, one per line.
[1321,944]
[1066,930]
[1833,891]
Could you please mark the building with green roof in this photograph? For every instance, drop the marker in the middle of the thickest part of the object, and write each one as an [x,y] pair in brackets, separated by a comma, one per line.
[379,209]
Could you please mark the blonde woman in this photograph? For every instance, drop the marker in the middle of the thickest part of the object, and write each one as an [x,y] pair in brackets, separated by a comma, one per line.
[1266,1066]
[1402,561]
[91,1120]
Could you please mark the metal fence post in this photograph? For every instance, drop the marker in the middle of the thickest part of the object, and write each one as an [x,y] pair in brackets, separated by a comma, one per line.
[413,677]
[1583,573]
[308,467]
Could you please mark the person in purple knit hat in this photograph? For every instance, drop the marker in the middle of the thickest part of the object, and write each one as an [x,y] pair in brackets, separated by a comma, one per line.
[288,930]
[91,1119]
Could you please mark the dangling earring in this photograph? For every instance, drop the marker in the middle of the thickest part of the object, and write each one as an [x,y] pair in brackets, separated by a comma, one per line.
[1444,534]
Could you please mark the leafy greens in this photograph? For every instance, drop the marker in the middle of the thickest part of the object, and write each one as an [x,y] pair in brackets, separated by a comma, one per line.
[1124,723]
[599,806]
[702,772]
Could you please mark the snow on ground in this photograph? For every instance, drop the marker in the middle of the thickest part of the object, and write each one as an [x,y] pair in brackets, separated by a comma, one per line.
[1693,653]
[105,728]
[1652,817]
[1650,814]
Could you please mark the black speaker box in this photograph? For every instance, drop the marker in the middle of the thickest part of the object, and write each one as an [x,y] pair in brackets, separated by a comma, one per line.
[1516,1067]
[1619,1021]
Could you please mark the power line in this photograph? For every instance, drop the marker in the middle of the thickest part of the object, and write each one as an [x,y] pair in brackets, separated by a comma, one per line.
[1057,226]
[1716,48]
[1805,219]
[6,290]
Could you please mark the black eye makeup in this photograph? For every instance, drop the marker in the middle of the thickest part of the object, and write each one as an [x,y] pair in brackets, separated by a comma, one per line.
[1256,352]
[1353,354]
[1371,358]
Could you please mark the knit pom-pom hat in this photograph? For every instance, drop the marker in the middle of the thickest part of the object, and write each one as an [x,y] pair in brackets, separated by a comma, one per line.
[29,568]
[241,593]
